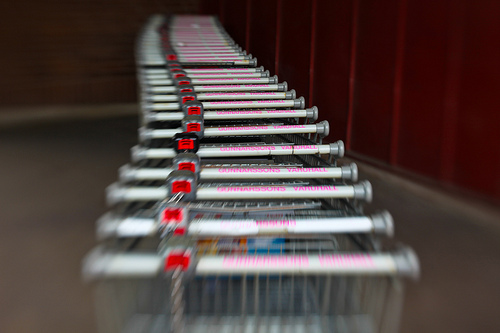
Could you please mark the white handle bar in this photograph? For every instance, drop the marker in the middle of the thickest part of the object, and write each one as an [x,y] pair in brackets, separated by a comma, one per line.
[128,173]
[382,223]
[100,264]
[362,191]
[335,149]
[320,128]
[236,114]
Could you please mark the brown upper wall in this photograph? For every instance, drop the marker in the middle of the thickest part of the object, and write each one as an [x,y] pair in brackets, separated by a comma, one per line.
[73,52]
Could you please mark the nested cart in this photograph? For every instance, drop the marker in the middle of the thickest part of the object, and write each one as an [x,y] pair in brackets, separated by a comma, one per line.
[234,215]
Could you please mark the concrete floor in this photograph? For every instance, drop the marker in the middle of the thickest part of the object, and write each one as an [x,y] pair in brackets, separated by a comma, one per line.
[457,240]
[53,177]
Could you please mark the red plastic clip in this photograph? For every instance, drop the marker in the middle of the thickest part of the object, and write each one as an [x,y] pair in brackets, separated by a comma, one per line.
[181,186]
[177,259]
[172,215]
[187,98]
[194,110]
[193,127]
[185,144]
[179,231]
[187,166]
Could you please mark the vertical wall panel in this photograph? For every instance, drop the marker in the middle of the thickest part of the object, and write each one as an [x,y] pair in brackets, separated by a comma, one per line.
[374,81]
[262,42]
[294,44]
[331,63]
[423,86]
[477,160]
[235,20]
[455,55]
[210,7]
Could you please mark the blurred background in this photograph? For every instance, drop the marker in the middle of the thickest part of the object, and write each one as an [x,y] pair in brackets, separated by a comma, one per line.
[410,86]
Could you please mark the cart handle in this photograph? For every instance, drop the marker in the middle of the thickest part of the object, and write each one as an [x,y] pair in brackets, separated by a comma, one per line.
[101,264]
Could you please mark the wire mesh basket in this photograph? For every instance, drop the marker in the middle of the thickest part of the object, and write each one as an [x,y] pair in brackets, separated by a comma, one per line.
[312,285]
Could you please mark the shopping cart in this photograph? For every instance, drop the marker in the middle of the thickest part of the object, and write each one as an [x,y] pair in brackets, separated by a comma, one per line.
[303,285]
[234,215]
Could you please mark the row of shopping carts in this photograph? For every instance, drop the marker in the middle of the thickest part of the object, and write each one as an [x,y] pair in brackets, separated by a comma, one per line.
[233,215]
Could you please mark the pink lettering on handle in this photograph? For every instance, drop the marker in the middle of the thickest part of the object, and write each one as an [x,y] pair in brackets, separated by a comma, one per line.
[252,189]
[290,169]
[238,112]
[249,148]
[249,170]
[314,188]
[304,147]
[226,94]
[263,94]
[203,74]
[276,223]
[346,260]
[243,128]
[274,101]
[215,79]
[230,102]
[265,261]
[289,126]
[282,111]
[237,86]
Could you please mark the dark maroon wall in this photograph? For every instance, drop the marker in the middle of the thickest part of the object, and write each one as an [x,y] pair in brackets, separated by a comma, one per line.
[330,70]
[410,83]
[262,32]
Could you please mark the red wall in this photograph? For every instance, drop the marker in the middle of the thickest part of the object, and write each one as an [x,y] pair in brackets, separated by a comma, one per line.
[410,83]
